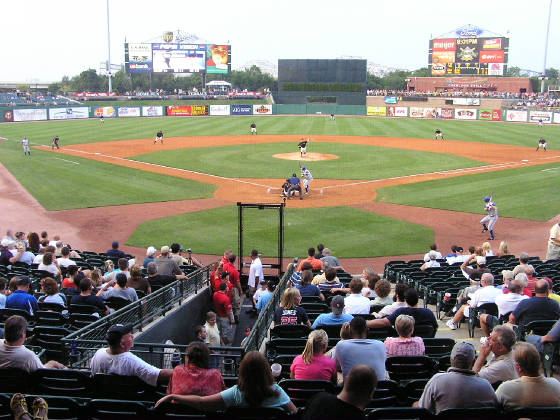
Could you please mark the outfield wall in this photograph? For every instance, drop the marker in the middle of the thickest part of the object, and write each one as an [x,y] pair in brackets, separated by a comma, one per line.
[472,109]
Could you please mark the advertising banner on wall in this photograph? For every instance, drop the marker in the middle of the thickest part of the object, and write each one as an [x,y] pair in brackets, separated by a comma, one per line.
[466,101]
[516,115]
[187,110]
[556,117]
[8,116]
[376,111]
[485,114]
[241,109]
[390,99]
[397,111]
[68,113]
[447,113]
[544,116]
[416,112]
[465,114]
[219,109]
[262,109]
[30,114]
[129,111]
[139,58]
[152,111]
[105,112]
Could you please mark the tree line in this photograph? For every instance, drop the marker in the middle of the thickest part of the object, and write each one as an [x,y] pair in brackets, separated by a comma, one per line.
[252,79]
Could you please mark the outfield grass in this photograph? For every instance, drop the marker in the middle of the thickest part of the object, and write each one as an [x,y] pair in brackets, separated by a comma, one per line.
[525,193]
[67,182]
[349,232]
[354,162]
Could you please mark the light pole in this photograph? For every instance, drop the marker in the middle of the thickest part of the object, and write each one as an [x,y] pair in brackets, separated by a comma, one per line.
[546,45]
[542,78]
[109,50]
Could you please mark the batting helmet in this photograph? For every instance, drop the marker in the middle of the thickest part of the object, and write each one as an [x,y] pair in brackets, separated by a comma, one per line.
[303,167]
[486,199]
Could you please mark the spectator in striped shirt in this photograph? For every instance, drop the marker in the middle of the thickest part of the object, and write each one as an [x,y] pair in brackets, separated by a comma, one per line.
[404,344]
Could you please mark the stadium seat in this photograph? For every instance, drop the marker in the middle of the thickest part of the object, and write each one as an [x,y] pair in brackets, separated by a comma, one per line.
[60,407]
[14,380]
[286,361]
[381,333]
[82,309]
[286,331]
[424,331]
[402,368]
[301,391]
[106,385]
[49,306]
[5,410]
[412,391]
[169,410]
[538,327]
[439,349]
[476,413]
[535,413]
[65,382]
[254,413]
[400,413]
[386,394]
[117,303]
[333,331]
[474,315]
[116,410]
[291,346]
[49,338]
[52,318]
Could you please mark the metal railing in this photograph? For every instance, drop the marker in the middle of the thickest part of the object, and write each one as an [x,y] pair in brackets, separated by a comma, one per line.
[83,344]
[260,329]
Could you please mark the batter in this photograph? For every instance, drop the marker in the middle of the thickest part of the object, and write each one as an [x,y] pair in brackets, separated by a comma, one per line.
[491,218]
[307,178]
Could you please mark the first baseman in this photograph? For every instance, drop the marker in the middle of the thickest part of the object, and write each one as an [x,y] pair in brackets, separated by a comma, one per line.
[54,142]
[491,218]
[307,178]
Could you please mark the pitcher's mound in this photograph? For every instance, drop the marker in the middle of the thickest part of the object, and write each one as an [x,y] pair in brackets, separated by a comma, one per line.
[308,157]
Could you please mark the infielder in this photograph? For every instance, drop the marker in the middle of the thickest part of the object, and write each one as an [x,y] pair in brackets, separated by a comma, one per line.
[25,144]
[307,178]
[54,143]
[303,147]
[491,218]
[438,134]
[159,137]
[253,127]
[542,143]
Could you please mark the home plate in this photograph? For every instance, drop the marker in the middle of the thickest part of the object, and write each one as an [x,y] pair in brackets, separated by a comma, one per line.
[97,153]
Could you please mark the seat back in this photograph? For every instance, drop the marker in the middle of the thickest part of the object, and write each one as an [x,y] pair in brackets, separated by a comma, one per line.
[287,331]
[386,395]
[107,385]
[82,309]
[381,333]
[291,346]
[169,410]
[300,391]
[116,410]
[65,382]
[475,413]
[333,331]
[14,380]
[5,313]
[424,330]
[413,390]
[400,413]
[255,413]
[49,306]
[117,303]
[536,413]
[410,367]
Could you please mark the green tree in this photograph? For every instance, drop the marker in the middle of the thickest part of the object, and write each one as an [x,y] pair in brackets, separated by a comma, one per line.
[252,79]
[88,80]
[421,72]
[513,71]
[121,82]
[395,80]
[374,82]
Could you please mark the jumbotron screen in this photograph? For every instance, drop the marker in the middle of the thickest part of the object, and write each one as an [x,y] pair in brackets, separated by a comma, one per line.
[468,56]
[177,58]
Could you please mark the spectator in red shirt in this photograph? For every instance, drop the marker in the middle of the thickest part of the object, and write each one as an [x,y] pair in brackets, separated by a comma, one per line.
[237,292]
[194,377]
[316,264]
[529,272]
[224,319]
[215,277]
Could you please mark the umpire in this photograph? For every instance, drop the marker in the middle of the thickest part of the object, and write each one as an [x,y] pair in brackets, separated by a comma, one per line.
[295,185]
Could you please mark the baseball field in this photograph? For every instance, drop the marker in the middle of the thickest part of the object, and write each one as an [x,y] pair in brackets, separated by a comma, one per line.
[382,187]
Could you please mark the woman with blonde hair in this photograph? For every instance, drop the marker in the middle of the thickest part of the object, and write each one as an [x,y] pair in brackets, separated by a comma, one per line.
[502,249]
[487,249]
[404,344]
[289,311]
[96,278]
[109,267]
[312,363]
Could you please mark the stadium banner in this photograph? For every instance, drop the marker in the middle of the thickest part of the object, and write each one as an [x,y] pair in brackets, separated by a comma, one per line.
[152,111]
[68,113]
[105,112]
[465,114]
[187,110]
[129,111]
[516,115]
[397,111]
[544,116]
[447,113]
[8,115]
[139,58]
[241,110]
[491,57]
[262,109]
[485,114]
[219,109]
[443,57]
[496,115]
[218,59]
[416,112]
[444,44]
[377,111]
[30,114]
[556,117]
[390,99]
[466,101]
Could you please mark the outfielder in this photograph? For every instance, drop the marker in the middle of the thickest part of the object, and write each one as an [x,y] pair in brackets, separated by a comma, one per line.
[253,128]
[159,137]
[54,142]
[25,144]
[491,218]
[542,143]
[438,134]
[307,178]
[303,147]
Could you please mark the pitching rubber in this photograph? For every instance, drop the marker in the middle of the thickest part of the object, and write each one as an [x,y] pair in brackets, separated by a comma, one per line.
[268,190]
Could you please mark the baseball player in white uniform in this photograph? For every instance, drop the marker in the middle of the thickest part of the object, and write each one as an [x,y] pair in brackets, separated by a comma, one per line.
[491,218]
[438,134]
[25,144]
[303,147]
[307,178]
[541,144]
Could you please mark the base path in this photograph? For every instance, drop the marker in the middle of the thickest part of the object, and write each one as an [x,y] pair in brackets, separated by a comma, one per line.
[95,228]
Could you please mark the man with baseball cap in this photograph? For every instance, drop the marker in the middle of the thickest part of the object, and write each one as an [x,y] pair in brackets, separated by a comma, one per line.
[117,358]
[336,317]
[167,265]
[459,387]
[149,256]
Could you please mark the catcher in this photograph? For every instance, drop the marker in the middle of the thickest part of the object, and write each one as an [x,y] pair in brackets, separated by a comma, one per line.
[303,147]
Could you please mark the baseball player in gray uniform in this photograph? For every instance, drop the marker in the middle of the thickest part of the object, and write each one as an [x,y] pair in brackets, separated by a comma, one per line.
[491,218]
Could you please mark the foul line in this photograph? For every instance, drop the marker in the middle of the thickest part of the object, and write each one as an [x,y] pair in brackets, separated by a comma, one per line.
[70,161]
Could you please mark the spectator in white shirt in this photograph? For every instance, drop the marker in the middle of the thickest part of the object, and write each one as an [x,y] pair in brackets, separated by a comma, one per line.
[355,303]
[64,260]
[433,247]
[432,256]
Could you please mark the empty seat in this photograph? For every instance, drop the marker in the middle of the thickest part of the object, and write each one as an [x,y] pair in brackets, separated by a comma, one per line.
[301,391]
[66,382]
[402,368]
[290,331]
[116,410]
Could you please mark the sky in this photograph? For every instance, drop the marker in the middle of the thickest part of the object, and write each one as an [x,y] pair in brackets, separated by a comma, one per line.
[45,40]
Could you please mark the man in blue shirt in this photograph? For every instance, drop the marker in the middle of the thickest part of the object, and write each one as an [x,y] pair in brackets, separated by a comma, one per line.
[295,186]
[265,297]
[336,317]
[21,299]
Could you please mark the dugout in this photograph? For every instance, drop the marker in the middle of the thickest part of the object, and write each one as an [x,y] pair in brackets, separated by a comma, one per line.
[321,82]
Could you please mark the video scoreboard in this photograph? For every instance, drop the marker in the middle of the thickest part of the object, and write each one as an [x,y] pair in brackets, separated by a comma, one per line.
[468,56]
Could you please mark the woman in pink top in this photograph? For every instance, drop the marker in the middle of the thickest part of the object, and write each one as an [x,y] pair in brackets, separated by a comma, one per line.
[404,344]
[313,364]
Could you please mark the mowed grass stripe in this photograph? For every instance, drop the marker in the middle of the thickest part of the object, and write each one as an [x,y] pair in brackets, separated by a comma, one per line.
[365,234]
[80,131]
[354,162]
[525,193]
[59,184]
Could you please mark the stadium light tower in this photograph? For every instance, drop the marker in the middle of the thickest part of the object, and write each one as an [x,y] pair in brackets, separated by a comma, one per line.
[546,45]
[109,50]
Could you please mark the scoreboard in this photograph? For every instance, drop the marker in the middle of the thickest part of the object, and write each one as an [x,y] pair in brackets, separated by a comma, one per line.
[468,56]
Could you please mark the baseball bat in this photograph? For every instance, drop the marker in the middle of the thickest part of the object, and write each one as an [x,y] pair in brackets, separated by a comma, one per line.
[491,195]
